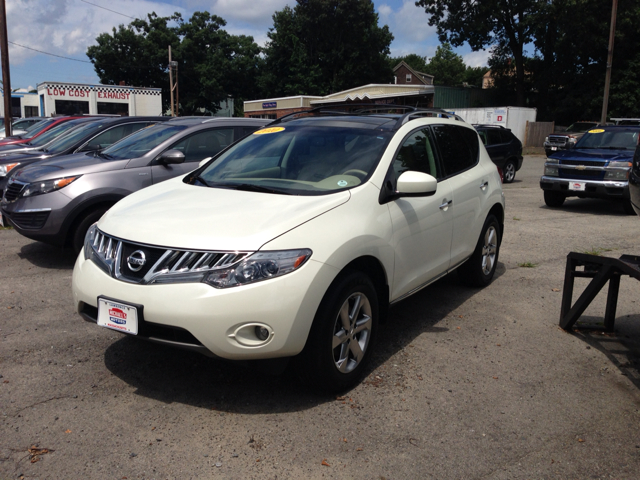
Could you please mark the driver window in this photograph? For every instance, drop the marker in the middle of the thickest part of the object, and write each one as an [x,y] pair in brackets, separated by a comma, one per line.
[205,143]
[416,153]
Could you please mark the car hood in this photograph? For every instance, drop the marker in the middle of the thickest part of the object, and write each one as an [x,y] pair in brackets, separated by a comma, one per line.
[67,166]
[23,156]
[603,155]
[174,214]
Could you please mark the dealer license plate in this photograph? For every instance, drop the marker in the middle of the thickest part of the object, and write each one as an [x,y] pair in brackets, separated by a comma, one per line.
[553,149]
[118,316]
[577,186]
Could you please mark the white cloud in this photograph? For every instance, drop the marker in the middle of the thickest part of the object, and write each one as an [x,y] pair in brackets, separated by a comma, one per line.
[68,27]
[477,59]
[256,13]
[410,27]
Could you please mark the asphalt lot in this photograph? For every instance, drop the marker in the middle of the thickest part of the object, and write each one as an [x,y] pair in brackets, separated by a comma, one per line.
[464,384]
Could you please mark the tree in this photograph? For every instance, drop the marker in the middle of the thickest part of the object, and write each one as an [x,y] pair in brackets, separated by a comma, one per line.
[482,23]
[324,46]
[447,67]
[212,64]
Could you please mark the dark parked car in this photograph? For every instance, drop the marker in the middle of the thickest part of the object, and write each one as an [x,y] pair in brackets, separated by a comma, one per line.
[503,147]
[598,167]
[35,203]
[564,140]
[634,182]
[86,135]
[36,131]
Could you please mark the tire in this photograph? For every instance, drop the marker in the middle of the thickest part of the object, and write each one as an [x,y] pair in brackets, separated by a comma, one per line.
[478,271]
[553,199]
[628,207]
[509,171]
[82,225]
[335,356]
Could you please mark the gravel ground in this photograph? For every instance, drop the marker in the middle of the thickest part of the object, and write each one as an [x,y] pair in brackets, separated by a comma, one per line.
[464,383]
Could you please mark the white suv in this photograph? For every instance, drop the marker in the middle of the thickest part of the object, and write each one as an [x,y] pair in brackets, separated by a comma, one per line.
[296,239]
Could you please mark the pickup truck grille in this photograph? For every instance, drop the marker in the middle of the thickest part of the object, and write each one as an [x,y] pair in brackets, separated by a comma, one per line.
[558,141]
[580,174]
[586,163]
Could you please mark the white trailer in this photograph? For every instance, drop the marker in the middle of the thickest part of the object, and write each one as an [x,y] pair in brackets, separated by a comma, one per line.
[514,118]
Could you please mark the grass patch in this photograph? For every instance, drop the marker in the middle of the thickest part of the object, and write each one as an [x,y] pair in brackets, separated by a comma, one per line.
[528,265]
[516,219]
[596,251]
[6,228]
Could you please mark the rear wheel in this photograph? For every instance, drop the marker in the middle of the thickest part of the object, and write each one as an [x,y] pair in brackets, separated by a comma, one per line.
[82,225]
[509,171]
[553,199]
[478,271]
[341,338]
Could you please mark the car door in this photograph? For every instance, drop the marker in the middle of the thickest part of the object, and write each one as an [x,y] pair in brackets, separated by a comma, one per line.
[196,147]
[422,226]
[459,152]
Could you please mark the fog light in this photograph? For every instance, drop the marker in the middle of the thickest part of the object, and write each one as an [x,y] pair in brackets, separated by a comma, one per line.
[262,333]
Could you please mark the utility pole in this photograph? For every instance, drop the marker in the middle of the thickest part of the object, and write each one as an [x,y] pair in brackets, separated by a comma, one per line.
[6,80]
[173,86]
[607,78]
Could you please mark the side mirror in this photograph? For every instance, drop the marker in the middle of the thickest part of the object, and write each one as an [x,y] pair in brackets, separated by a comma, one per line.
[416,184]
[91,148]
[171,157]
[203,161]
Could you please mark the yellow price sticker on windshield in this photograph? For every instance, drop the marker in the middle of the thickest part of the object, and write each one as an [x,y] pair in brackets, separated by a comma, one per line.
[268,130]
[597,130]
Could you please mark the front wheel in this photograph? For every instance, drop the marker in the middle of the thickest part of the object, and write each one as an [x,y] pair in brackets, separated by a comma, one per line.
[509,171]
[80,229]
[341,337]
[478,271]
[553,199]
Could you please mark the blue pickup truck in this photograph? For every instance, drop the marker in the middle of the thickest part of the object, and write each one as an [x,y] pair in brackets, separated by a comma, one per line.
[597,167]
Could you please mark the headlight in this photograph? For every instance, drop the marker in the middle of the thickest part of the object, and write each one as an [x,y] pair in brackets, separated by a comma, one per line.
[258,267]
[572,139]
[4,169]
[546,139]
[90,252]
[621,172]
[40,188]
[551,167]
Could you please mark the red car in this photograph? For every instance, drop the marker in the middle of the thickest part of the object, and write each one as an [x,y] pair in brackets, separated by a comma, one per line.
[37,130]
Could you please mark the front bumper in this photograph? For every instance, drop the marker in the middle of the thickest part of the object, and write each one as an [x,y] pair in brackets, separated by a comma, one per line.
[40,217]
[201,317]
[593,188]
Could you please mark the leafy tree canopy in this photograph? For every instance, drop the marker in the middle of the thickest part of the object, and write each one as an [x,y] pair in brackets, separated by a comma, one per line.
[324,46]
[212,64]
[447,67]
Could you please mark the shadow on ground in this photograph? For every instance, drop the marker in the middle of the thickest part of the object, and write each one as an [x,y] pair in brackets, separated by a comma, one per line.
[171,375]
[46,256]
[590,206]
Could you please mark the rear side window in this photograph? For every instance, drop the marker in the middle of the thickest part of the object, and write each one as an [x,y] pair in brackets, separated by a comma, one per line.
[495,137]
[458,147]
[506,136]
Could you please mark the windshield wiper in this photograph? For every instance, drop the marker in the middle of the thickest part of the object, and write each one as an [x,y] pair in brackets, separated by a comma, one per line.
[249,187]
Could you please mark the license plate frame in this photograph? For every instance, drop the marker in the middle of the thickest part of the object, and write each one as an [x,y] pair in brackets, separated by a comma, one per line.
[553,149]
[120,316]
[577,186]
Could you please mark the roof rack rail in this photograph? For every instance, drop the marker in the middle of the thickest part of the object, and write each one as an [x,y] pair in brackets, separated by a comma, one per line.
[374,108]
[489,125]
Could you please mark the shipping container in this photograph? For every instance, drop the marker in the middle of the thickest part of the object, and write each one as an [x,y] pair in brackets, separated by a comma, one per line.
[513,118]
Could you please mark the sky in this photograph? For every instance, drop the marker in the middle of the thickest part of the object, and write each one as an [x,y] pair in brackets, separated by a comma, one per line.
[67,27]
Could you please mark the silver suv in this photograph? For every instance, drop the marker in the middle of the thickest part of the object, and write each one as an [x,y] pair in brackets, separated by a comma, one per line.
[56,201]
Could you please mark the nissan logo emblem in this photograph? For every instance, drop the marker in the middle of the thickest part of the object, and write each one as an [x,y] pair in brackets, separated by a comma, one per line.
[136,261]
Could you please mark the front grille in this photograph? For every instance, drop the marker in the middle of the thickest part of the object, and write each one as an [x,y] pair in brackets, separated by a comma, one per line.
[591,174]
[30,220]
[561,141]
[586,163]
[13,191]
[159,261]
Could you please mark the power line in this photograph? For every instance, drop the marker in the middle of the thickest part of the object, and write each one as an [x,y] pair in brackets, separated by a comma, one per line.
[47,53]
[108,9]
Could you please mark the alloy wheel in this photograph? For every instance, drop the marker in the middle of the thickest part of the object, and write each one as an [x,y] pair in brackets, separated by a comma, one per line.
[489,249]
[352,332]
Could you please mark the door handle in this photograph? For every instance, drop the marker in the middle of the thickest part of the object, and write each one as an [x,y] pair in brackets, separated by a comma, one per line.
[446,204]
[484,185]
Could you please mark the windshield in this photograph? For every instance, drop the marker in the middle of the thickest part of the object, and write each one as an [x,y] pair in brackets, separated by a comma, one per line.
[579,127]
[302,160]
[609,139]
[37,128]
[70,138]
[142,142]
[55,132]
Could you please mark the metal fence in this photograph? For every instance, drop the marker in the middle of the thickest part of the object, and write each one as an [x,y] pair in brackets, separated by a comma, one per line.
[536,132]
